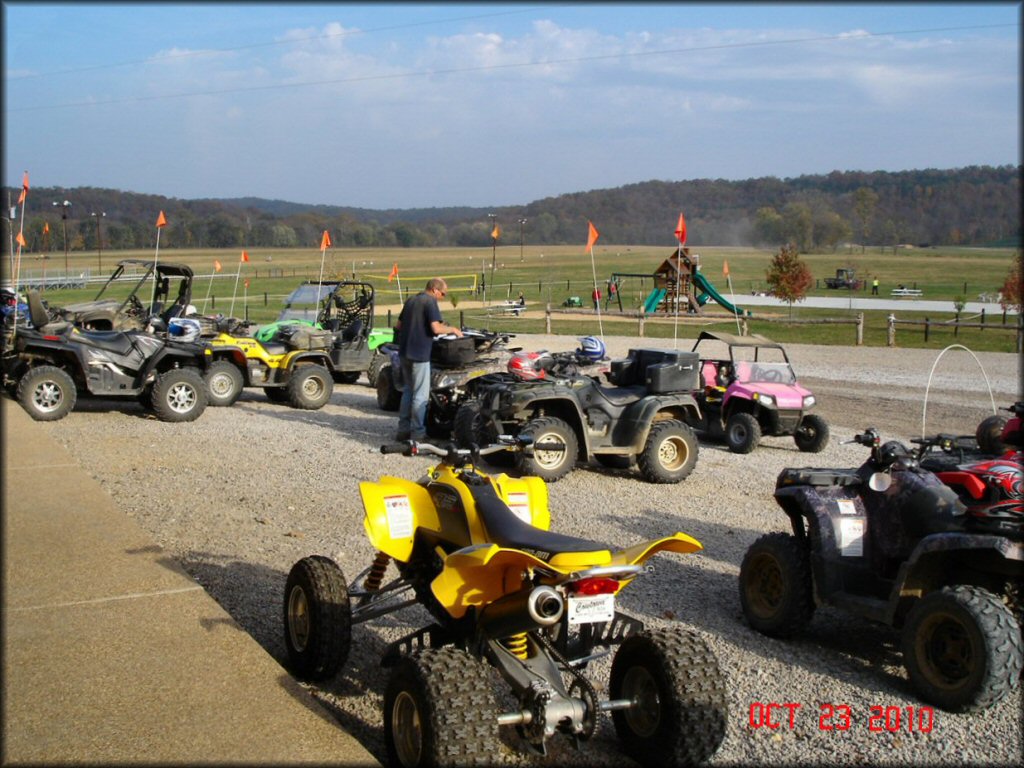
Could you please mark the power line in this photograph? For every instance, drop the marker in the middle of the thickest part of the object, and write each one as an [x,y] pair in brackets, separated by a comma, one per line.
[494,67]
[211,51]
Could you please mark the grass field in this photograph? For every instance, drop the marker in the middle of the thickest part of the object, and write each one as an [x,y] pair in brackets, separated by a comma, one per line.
[551,274]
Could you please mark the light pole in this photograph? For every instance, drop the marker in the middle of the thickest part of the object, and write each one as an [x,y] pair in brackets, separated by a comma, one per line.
[99,239]
[521,222]
[494,246]
[64,219]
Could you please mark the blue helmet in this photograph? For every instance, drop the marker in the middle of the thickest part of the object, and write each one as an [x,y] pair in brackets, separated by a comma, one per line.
[592,348]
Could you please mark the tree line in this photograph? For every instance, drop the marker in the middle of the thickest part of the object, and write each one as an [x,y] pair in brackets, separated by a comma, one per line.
[978,205]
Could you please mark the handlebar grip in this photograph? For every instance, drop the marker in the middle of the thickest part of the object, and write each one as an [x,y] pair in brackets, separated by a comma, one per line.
[394,448]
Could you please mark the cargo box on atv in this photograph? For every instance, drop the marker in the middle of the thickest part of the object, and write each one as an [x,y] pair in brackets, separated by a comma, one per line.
[453,352]
[659,370]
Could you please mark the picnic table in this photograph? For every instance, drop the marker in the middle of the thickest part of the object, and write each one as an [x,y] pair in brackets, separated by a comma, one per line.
[509,308]
[911,292]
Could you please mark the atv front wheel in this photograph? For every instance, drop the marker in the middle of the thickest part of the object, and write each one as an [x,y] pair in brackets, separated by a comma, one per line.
[389,397]
[48,393]
[679,708]
[775,585]
[310,387]
[742,432]
[224,383]
[811,434]
[670,453]
[179,395]
[317,618]
[549,465]
[962,649]
[377,362]
[439,709]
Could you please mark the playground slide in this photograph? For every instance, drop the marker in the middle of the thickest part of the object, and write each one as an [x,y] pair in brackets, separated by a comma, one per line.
[653,300]
[709,292]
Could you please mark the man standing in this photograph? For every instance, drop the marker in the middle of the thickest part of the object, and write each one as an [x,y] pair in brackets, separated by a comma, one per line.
[419,322]
[874,286]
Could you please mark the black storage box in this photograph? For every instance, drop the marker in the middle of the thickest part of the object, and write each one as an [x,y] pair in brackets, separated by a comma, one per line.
[620,372]
[670,370]
[452,352]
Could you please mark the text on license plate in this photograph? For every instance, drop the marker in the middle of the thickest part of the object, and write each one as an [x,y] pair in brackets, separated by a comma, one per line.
[587,610]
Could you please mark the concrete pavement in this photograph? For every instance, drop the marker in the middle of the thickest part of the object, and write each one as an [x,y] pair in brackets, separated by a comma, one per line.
[113,653]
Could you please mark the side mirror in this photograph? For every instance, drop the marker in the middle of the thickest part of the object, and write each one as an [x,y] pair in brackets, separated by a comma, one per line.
[880,481]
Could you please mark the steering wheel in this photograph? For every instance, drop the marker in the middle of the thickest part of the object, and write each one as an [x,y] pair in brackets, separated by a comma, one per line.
[135,306]
[769,375]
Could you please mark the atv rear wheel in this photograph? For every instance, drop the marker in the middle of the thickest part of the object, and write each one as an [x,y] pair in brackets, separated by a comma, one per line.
[670,453]
[47,392]
[439,709]
[224,383]
[389,397]
[776,591]
[317,618]
[550,465]
[811,434]
[679,711]
[310,387]
[742,432]
[179,394]
[962,648]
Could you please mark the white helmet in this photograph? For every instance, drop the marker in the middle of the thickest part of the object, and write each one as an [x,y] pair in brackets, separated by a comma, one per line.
[592,348]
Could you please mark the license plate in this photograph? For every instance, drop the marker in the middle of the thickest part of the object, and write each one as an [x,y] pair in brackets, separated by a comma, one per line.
[590,609]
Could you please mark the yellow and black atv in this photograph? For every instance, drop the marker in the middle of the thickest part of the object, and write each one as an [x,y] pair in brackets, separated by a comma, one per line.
[510,596]
[294,367]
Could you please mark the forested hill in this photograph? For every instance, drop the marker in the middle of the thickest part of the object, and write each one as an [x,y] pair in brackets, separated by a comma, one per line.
[966,206]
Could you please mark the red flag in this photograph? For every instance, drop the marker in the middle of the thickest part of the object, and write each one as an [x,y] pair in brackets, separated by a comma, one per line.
[725,269]
[394,272]
[24,189]
[325,241]
[245,256]
[161,220]
[21,240]
[496,232]
[592,235]
[216,266]
[681,230]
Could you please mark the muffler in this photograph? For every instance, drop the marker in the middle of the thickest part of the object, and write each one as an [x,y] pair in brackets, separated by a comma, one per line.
[522,611]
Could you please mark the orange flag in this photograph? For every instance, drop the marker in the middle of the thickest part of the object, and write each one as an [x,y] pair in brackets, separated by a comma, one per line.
[245,256]
[24,189]
[496,232]
[216,266]
[325,241]
[46,227]
[592,235]
[161,220]
[681,230]
[725,269]
[21,239]
[394,272]
[247,282]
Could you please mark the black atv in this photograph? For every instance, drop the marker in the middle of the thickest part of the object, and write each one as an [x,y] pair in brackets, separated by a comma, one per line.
[889,542]
[48,364]
[642,418]
[455,365]
[109,313]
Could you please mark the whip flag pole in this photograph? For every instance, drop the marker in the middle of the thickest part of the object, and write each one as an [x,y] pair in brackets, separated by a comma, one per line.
[242,260]
[216,269]
[16,266]
[681,237]
[592,235]
[732,296]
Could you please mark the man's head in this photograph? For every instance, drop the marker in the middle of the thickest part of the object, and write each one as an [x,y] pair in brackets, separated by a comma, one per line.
[437,287]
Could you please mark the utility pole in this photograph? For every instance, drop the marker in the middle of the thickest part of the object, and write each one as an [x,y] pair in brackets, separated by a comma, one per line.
[521,222]
[99,240]
[64,219]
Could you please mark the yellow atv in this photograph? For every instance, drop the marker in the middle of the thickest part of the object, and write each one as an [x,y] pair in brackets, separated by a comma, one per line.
[506,594]
[294,368]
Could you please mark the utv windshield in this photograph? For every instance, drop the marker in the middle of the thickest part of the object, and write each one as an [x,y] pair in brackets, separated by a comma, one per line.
[764,373]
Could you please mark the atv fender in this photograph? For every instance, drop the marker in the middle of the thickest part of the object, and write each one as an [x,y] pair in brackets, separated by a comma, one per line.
[635,424]
[394,508]
[482,573]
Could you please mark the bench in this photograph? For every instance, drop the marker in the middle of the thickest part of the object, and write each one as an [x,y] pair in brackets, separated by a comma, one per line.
[911,292]
[509,308]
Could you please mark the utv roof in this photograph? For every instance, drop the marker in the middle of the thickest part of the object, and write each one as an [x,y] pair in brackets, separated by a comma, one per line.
[313,291]
[163,267]
[753,340]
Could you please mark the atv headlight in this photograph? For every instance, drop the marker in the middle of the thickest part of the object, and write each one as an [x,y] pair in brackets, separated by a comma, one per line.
[766,400]
[445,382]
[808,401]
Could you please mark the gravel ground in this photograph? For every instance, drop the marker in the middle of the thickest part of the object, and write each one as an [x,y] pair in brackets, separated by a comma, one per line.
[241,494]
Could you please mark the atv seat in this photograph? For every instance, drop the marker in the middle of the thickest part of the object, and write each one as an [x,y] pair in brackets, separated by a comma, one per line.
[818,477]
[274,348]
[507,530]
[118,342]
[620,396]
[40,317]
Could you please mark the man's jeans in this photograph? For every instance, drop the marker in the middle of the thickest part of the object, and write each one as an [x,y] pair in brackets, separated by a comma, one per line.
[415,393]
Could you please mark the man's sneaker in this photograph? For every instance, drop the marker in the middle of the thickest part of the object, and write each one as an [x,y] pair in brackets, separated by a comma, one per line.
[402,437]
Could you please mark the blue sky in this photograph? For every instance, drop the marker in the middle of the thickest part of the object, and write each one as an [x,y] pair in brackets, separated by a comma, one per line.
[419,105]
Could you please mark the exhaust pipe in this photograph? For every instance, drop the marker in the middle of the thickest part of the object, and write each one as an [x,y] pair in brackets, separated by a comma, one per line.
[522,611]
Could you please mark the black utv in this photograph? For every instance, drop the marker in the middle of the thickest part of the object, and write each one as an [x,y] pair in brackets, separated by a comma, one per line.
[642,418]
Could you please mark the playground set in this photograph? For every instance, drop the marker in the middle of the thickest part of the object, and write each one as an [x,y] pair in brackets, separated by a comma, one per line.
[677,282]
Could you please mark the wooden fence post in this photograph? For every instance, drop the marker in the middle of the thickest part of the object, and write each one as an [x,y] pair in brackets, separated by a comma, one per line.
[547,320]
[860,329]
[926,326]
[640,324]
[890,331]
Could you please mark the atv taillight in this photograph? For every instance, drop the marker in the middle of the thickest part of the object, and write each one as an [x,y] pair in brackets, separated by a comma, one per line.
[596,586]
